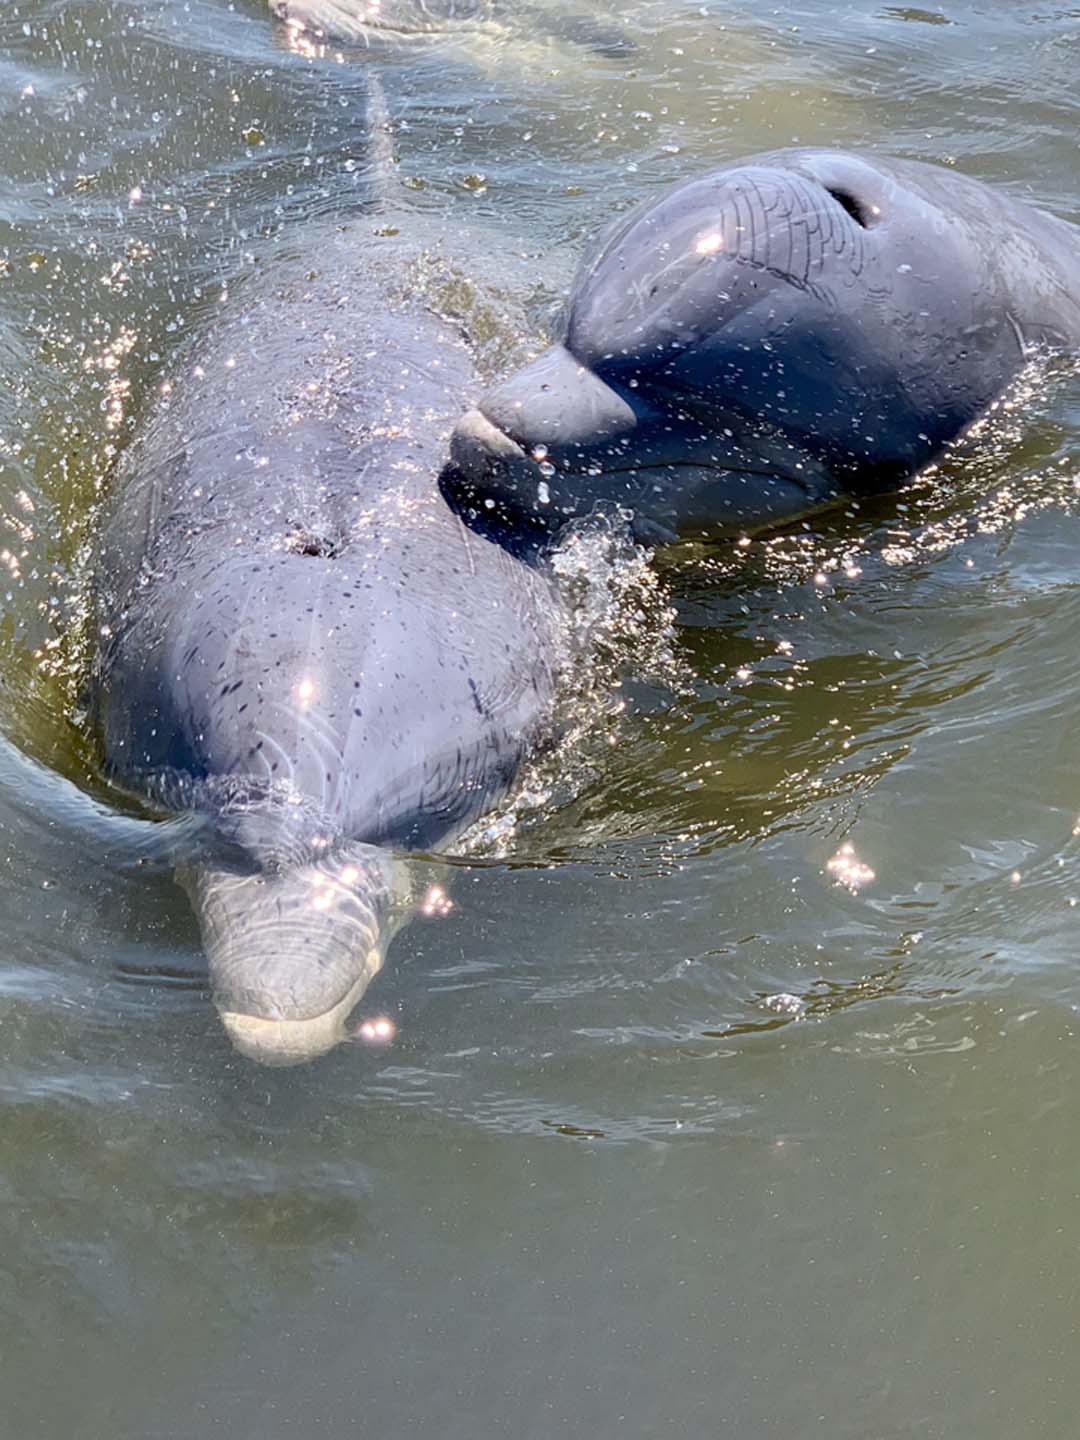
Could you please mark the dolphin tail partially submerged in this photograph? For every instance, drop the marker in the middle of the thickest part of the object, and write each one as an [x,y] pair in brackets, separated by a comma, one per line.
[292,950]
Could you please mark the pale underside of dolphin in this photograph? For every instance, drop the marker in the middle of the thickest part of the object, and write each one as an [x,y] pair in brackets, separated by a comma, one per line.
[759,341]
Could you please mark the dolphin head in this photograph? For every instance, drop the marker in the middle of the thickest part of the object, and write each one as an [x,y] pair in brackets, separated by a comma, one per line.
[292,949]
[733,354]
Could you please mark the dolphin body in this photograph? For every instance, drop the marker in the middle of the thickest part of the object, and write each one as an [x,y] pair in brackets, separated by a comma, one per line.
[372,22]
[301,641]
[360,20]
[764,339]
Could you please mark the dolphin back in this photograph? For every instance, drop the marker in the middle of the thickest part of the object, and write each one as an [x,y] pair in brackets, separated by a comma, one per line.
[302,641]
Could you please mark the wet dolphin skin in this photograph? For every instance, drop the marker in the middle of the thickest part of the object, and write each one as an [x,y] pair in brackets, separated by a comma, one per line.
[760,340]
[301,640]
[368,22]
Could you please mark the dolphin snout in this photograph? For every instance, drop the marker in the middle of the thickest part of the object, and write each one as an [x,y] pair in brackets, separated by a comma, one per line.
[552,420]
[557,404]
[281,1043]
[478,446]
[291,952]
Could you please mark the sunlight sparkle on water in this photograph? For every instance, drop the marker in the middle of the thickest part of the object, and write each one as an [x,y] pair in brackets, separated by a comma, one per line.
[436,902]
[786,1004]
[377,1031]
[847,869]
[710,243]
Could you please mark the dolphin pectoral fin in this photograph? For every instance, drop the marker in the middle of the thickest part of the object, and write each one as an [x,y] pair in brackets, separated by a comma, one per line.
[291,952]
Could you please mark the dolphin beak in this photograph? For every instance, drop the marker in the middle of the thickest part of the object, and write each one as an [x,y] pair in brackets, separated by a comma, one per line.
[292,952]
[280,1043]
[478,447]
[554,406]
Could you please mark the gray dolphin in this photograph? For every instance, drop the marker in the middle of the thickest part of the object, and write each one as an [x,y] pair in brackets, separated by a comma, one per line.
[367,22]
[360,20]
[761,340]
[301,640]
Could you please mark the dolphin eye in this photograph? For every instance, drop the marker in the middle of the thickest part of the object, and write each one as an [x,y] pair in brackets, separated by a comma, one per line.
[862,214]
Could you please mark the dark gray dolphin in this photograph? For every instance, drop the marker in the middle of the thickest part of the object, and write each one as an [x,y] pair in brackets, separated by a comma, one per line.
[770,336]
[301,640]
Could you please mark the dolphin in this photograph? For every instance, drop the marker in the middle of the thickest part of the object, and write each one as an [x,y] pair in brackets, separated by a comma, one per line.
[766,338]
[360,20]
[371,22]
[300,641]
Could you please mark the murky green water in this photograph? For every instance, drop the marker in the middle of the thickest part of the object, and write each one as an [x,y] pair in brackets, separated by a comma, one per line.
[680,1135]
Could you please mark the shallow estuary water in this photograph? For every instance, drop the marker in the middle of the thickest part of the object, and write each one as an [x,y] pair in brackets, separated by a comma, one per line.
[696,1122]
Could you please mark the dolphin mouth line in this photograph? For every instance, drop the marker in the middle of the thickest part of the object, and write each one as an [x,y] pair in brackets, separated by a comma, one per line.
[281,1043]
[701,465]
[499,451]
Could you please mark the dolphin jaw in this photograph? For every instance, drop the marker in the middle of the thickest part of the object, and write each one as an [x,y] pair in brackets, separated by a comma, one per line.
[291,951]
[477,446]
[280,1043]
[496,468]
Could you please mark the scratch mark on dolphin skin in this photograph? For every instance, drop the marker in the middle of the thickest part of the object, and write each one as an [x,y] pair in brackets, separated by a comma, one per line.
[802,214]
[751,220]
[267,744]
[466,541]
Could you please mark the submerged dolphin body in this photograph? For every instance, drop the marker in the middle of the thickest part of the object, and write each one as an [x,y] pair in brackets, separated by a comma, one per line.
[302,641]
[761,340]
[368,22]
[360,19]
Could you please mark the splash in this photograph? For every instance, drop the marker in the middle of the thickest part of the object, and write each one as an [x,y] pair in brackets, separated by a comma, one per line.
[1020,459]
[620,622]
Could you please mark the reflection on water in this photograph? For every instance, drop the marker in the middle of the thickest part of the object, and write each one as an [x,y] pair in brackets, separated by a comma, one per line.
[676,1130]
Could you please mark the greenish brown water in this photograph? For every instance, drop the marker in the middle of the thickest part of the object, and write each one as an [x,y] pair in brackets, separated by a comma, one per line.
[679,1135]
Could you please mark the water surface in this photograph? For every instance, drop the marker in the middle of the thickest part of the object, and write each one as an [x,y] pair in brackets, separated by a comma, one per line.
[690,1125]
